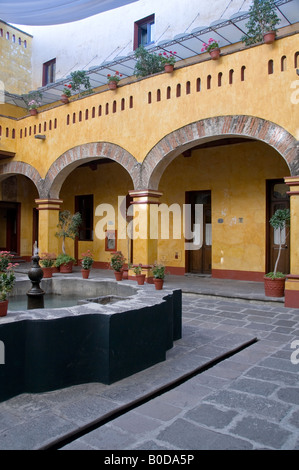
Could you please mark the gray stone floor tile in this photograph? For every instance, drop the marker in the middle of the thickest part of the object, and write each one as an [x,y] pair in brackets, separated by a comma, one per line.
[262,432]
[188,436]
[210,415]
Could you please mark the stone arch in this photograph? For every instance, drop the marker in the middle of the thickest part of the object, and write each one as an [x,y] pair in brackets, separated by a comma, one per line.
[74,157]
[213,128]
[21,168]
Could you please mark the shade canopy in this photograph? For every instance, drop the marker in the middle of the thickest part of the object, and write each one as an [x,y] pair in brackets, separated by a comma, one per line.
[51,12]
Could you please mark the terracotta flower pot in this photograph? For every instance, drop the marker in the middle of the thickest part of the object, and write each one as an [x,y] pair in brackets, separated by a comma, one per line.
[33,112]
[125,273]
[269,37]
[66,268]
[140,278]
[3,308]
[47,272]
[274,287]
[118,275]
[85,273]
[168,68]
[158,283]
[64,99]
[112,85]
[215,53]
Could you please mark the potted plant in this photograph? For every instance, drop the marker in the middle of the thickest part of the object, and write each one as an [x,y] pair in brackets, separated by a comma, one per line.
[65,263]
[159,275]
[66,93]
[147,63]
[212,48]
[86,263]
[116,263]
[275,281]
[7,280]
[47,262]
[68,225]
[32,106]
[168,60]
[113,80]
[33,101]
[140,278]
[262,22]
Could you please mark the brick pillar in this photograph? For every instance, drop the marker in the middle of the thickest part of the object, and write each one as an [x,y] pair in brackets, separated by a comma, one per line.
[47,225]
[292,281]
[145,246]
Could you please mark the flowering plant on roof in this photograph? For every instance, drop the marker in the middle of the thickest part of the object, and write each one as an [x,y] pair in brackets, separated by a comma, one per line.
[33,104]
[167,58]
[212,44]
[114,78]
[67,90]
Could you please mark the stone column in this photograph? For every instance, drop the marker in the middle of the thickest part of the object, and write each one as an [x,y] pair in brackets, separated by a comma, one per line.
[47,225]
[292,281]
[144,230]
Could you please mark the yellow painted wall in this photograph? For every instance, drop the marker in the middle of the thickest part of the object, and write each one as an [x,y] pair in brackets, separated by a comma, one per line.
[236,176]
[140,128]
[15,71]
[108,182]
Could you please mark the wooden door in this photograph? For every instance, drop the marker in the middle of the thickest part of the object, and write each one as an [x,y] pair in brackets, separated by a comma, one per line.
[199,260]
[277,199]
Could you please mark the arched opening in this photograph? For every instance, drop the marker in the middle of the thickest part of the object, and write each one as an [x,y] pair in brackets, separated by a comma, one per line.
[226,177]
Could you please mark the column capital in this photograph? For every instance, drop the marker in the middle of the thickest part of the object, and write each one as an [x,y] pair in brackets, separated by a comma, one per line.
[48,204]
[145,196]
[293,182]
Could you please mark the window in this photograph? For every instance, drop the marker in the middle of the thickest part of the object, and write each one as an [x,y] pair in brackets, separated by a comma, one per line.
[49,72]
[84,205]
[144,31]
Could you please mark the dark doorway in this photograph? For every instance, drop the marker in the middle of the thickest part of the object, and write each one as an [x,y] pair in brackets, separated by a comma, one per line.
[277,198]
[10,226]
[200,260]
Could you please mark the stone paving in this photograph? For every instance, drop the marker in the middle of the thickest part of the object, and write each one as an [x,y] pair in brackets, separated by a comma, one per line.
[247,401]
[242,392]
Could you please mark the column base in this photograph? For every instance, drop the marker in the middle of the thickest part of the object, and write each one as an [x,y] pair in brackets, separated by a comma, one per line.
[291,296]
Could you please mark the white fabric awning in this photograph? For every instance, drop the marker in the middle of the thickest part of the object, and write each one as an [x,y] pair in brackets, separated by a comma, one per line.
[51,12]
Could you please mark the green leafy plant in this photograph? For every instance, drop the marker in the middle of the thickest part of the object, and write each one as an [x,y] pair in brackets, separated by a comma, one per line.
[67,90]
[262,19]
[147,63]
[80,83]
[158,271]
[87,260]
[137,268]
[47,259]
[117,261]
[63,259]
[68,225]
[280,221]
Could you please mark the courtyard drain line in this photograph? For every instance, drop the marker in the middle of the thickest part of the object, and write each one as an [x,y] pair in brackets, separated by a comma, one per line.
[121,410]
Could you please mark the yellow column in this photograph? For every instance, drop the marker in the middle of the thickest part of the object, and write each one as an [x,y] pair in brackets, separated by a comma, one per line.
[144,234]
[47,225]
[292,281]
